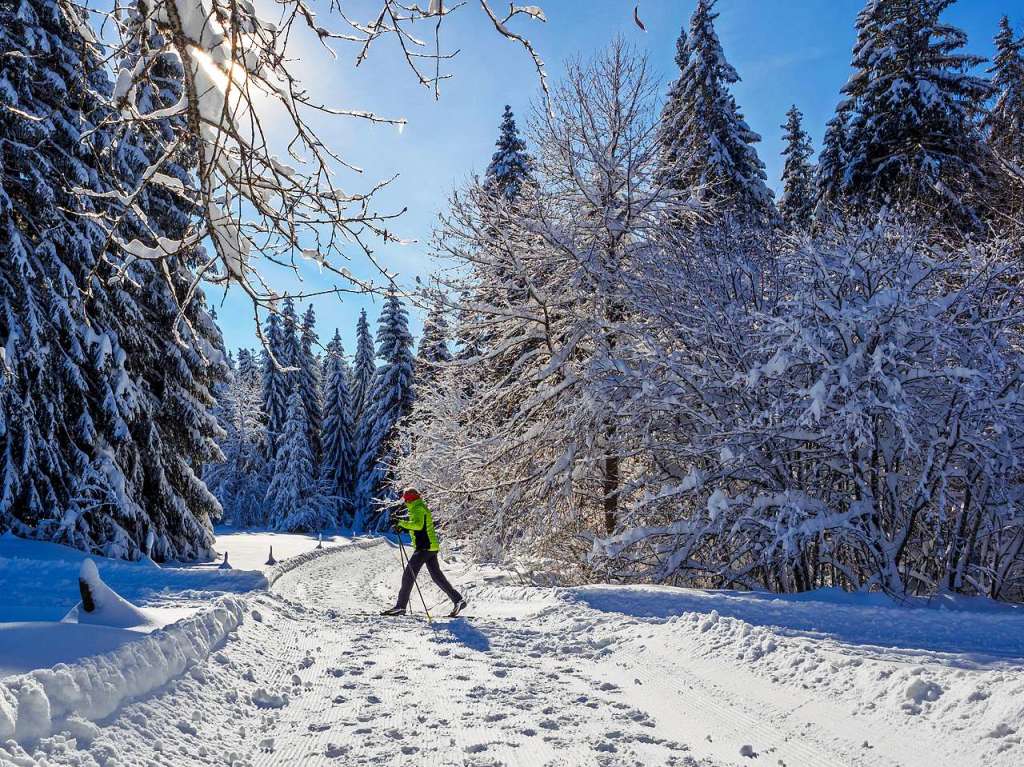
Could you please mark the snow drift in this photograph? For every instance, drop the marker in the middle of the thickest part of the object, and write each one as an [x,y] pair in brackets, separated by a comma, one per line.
[34,705]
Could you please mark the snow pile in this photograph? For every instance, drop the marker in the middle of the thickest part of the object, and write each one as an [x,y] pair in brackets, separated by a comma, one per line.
[36,704]
[101,605]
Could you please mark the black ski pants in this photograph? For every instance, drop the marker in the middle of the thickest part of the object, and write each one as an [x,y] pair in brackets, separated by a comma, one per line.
[416,561]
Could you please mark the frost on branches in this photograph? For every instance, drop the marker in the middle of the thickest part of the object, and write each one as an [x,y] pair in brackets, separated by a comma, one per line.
[862,428]
[512,439]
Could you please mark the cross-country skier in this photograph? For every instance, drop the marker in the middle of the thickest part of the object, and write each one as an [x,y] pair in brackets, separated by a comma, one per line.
[420,525]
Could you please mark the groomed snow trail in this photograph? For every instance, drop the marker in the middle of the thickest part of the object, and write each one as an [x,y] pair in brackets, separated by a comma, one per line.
[533,677]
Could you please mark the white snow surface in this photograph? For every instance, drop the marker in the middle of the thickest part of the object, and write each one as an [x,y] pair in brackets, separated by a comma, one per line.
[604,675]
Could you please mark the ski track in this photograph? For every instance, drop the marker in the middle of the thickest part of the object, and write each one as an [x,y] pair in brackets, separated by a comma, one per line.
[312,678]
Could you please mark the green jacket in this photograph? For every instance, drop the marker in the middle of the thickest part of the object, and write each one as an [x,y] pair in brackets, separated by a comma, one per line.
[420,525]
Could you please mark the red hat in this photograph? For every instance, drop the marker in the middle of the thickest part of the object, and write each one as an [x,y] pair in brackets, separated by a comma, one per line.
[410,494]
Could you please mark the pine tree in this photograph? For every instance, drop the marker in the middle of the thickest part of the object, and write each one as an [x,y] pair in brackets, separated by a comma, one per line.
[275,384]
[913,141]
[511,167]
[707,147]
[237,481]
[830,182]
[433,348]
[365,367]
[390,401]
[68,397]
[294,497]
[291,342]
[797,203]
[311,382]
[339,429]
[177,352]
[1004,123]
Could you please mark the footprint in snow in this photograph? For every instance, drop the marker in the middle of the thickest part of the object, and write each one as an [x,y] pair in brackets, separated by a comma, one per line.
[334,751]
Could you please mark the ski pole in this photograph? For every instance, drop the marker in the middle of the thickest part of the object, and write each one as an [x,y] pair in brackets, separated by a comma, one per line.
[405,558]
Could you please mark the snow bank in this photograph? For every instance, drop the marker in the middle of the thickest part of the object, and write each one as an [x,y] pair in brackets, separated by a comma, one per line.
[297,561]
[36,704]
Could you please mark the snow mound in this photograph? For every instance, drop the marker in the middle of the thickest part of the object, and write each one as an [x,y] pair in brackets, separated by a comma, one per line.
[101,605]
[40,703]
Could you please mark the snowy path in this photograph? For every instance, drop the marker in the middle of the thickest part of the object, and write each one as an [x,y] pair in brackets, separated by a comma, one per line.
[534,677]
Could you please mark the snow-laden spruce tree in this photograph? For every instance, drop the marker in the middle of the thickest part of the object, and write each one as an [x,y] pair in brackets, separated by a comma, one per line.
[1004,122]
[339,431]
[859,429]
[174,346]
[295,499]
[388,404]
[75,404]
[913,101]
[275,383]
[510,166]
[239,481]
[796,205]
[707,147]
[432,352]
[365,367]
[311,382]
[830,178]
[514,442]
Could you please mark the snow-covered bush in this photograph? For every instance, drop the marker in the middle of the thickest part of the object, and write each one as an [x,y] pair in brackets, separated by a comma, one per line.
[854,421]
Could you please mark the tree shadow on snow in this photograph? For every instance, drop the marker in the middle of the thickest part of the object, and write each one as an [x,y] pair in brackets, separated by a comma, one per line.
[461,631]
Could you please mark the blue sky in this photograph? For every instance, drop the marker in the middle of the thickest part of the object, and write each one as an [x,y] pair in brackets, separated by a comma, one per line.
[786,51]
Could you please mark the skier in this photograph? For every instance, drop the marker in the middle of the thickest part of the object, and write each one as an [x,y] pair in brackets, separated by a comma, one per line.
[420,525]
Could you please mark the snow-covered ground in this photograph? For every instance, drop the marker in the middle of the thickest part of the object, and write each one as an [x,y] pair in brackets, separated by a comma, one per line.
[584,676]
[39,591]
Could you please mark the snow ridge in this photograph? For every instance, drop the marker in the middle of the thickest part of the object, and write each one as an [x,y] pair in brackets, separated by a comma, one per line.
[40,703]
[299,560]
[34,705]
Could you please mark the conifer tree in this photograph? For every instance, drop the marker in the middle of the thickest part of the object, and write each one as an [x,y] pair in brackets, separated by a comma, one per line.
[275,384]
[433,347]
[339,429]
[390,401]
[291,343]
[365,367]
[707,147]
[797,203]
[913,140]
[68,397]
[830,182]
[294,497]
[311,382]
[510,167]
[1004,123]
[238,481]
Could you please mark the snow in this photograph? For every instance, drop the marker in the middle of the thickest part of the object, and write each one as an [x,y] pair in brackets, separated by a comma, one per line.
[602,675]
[109,608]
[248,550]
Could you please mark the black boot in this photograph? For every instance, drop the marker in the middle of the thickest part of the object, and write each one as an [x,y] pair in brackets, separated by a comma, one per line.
[394,611]
[459,607]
